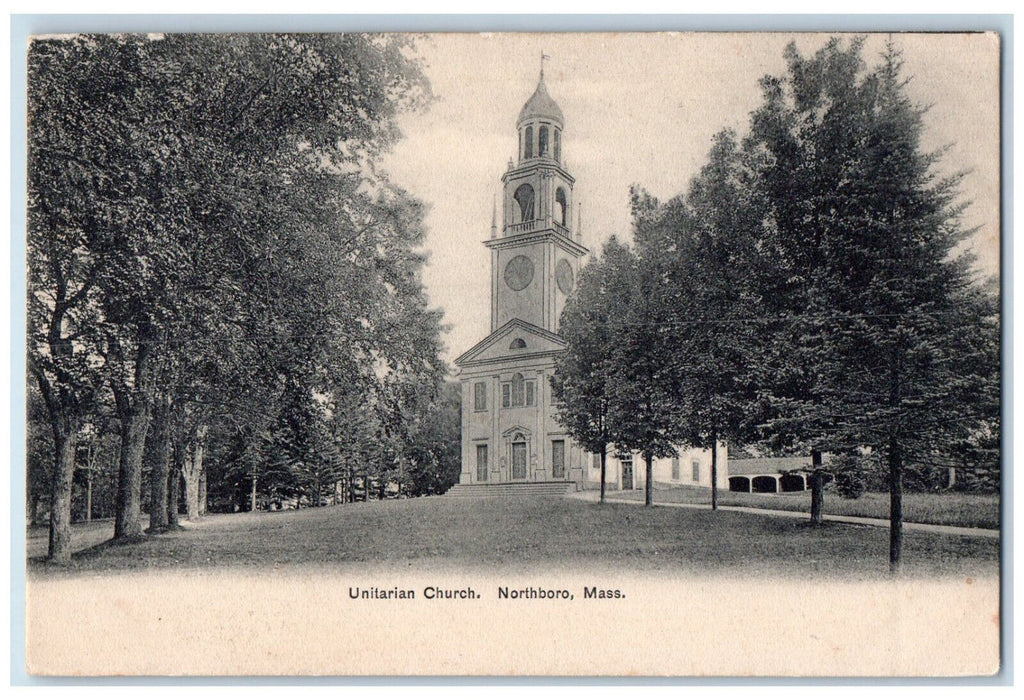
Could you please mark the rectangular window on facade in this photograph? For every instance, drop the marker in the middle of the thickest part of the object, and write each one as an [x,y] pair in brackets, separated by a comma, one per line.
[506,395]
[696,470]
[597,463]
[675,468]
[480,396]
[558,459]
[481,462]
[530,391]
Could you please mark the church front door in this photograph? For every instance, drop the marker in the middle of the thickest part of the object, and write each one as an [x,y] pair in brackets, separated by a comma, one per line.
[518,460]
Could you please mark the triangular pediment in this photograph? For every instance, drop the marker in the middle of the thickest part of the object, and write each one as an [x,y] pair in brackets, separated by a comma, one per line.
[516,339]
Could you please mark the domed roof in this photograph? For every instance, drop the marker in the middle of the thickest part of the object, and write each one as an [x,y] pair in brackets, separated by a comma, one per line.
[540,105]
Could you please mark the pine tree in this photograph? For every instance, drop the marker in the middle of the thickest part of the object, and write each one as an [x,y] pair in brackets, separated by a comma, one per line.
[581,382]
[886,334]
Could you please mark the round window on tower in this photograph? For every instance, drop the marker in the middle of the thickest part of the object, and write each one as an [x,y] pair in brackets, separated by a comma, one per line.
[519,273]
[564,276]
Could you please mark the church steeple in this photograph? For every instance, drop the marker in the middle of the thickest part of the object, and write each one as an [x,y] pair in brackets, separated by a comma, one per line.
[534,255]
[538,188]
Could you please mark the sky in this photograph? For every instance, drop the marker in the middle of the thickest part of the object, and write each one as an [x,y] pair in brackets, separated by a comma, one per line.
[642,109]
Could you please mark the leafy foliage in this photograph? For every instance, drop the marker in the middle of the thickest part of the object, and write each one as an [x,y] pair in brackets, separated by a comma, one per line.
[207,226]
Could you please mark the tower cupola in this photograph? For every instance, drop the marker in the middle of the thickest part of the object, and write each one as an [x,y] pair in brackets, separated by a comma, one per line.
[540,126]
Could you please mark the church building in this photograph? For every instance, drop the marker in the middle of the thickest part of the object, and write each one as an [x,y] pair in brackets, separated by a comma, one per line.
[509,431]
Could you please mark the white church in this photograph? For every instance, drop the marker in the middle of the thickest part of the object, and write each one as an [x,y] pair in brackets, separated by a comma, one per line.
[510,438]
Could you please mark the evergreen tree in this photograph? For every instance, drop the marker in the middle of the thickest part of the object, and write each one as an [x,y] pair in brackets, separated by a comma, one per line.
[887,337]
[646,396]
[581,383]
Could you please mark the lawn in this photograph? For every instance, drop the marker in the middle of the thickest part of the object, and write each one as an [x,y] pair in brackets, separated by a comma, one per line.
[944,508]
[517,535]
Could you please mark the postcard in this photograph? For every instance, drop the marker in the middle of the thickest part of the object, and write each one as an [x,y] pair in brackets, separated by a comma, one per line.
[670,354]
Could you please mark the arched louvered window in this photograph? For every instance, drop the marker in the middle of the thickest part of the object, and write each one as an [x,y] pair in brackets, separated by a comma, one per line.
[561,206]
[524,198]
[528,146]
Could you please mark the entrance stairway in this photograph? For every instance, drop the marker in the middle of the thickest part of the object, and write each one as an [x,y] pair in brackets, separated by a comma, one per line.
[517,488]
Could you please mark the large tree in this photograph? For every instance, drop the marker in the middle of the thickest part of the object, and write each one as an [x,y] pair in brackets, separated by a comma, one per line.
[891,332]
[643,413]
[703,244]
[581,382]
[206,221]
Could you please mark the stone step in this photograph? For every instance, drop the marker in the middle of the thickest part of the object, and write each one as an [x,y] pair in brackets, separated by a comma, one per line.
[502,489]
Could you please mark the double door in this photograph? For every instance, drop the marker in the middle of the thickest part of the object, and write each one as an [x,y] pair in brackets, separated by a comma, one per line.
[518,460]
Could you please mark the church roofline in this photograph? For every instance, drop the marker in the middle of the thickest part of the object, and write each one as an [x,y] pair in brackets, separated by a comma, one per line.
[465,359]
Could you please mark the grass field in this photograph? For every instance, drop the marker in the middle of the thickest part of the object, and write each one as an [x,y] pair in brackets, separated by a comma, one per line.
[947,508]
[516,534]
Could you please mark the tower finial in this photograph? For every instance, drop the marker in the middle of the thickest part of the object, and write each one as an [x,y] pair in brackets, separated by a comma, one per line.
[543,56]
[494,217]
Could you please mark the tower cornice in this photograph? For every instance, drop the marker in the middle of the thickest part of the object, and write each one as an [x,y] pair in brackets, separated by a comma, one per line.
[520,239]
[529,167]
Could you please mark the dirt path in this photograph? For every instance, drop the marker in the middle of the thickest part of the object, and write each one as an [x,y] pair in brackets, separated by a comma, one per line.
[851,519]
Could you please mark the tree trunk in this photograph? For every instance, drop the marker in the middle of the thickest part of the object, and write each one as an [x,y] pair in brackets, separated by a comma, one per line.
[252,494]
[174,487]
[202,492]
[134,408]
[714,470]
[951,481]
[191,478]
[191,470]
[88,479]
[604,460]
[161,462]
[33,509]
[817,488]
[88,496]
[649,478]
[895,505]
[65,444]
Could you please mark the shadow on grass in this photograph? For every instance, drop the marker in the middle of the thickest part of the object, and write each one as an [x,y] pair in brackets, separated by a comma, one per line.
[556,533]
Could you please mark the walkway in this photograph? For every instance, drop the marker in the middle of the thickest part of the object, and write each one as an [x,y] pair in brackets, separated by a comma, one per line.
[595,496]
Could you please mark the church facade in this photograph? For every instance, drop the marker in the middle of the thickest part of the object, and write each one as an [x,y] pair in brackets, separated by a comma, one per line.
[509,431]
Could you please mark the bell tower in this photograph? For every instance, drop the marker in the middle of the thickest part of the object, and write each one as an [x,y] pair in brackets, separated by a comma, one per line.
[535,251]
[510,431]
